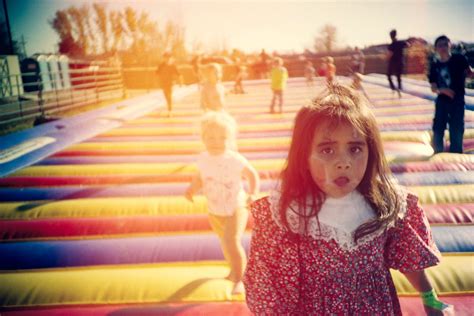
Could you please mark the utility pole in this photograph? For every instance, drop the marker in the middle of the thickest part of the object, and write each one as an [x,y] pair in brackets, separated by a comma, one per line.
[23,46]
[9,49]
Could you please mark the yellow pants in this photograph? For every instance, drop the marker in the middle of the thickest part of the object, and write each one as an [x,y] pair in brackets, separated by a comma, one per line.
[230,229]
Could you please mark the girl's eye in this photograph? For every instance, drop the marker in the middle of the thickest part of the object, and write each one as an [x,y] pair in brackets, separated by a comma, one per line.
[356,149]
[327,151]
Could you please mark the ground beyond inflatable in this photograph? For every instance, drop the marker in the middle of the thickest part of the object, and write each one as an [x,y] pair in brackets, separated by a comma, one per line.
[93,220]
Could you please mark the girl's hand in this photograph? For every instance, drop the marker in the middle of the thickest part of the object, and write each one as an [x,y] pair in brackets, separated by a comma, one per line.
[446,311]
[432,312]
[448,92]
[250,199]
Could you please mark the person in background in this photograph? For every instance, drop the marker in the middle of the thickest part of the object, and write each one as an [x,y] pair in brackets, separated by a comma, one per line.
[212,91]
[309,73]
[330,69]
[279,76]
[167,75]
[358,61]
[395,61]
[447,77]
[241,74]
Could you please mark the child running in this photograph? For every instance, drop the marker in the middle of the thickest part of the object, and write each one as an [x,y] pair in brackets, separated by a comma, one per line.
[220,173]
[212,92]
[323,242]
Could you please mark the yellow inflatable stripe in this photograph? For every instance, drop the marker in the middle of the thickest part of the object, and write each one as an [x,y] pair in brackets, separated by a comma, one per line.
[98,207]
[177,205]
[452,276]
[182,144]
[181,130]
[452,157]
[402,136]
[131,169]
[422,137]
[456,193]
[172,283]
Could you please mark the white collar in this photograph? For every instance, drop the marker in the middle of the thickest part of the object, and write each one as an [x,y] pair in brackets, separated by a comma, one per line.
[338,218]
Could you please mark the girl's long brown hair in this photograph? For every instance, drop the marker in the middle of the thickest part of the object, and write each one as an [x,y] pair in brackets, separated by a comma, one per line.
[337,104]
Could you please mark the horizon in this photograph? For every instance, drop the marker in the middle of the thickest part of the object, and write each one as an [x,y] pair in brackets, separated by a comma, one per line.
[281,26]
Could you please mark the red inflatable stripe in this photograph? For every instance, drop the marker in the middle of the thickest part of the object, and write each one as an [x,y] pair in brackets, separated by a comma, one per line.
[409,305]
[73,227]
[107,179]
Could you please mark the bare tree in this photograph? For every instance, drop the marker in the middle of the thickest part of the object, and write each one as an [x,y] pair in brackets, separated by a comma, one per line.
[118,31]
[62,24]
[327,39]
[137,37]
[131,23]
[102,24]
[79,18]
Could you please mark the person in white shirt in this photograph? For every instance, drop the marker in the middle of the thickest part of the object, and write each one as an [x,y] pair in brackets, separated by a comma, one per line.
[220,172]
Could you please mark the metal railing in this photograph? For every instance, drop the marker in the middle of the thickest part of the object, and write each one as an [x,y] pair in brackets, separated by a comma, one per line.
[30,96]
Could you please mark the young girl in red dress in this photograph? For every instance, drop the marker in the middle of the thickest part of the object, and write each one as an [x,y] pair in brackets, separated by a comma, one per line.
[324,240]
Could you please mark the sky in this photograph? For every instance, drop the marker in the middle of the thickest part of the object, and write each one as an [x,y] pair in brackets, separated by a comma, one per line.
[281,25]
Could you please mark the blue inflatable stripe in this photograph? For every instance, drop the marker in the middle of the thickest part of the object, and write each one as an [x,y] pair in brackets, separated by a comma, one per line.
[67,131]
[469,92]
[413,89]
[76,192]
[56,254]
[83,192]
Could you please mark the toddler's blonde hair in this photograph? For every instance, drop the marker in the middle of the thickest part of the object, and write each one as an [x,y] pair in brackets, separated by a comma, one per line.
[212,71]
[213,120]
[278,61]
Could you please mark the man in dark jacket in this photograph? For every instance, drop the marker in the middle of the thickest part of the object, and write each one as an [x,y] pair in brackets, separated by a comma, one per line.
[447,77]
[167,74]
[395,60]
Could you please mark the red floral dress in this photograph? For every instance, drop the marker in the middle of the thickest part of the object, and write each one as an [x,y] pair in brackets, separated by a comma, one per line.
[321,274]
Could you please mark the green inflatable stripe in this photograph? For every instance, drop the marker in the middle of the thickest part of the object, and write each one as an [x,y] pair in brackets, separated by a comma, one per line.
[174,283]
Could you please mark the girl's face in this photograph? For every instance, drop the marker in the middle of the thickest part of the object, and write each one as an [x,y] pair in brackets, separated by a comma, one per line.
[215,139]
[338,158]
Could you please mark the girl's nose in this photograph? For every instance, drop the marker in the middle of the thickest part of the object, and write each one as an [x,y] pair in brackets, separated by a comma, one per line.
[343,164]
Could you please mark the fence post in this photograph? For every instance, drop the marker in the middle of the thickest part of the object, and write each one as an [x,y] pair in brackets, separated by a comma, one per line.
[40,96]
[95,85]
[18,95]
[122,79]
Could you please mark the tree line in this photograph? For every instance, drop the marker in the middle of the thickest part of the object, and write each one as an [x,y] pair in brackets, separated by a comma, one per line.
[97,31]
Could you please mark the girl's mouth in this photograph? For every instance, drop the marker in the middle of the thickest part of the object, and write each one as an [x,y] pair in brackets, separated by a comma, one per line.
[342,181]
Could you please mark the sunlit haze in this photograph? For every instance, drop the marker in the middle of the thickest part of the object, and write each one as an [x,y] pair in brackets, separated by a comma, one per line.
[283,26]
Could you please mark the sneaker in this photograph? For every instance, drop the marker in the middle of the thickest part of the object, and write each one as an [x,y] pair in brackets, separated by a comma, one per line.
[238,288]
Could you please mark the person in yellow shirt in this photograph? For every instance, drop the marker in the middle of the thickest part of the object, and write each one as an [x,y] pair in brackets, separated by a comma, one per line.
[279,76]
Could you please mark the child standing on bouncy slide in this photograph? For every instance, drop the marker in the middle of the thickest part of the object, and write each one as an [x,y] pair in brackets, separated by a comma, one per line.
[220,172]
[323,242]
[279,76]
[309,73]
[212,91]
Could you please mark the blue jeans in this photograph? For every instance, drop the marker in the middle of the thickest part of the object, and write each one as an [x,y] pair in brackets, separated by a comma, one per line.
[448,112]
